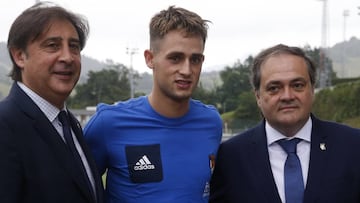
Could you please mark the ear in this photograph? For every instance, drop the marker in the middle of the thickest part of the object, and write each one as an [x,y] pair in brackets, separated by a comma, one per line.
[19,57]
[149,56]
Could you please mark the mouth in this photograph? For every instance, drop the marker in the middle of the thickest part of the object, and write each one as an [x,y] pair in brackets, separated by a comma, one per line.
[64,75]
[183,84]
[287,108]
[63,72]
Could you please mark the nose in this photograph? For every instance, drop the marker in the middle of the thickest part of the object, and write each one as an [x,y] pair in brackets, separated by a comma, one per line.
[185,68]
[66,55]
[287,94]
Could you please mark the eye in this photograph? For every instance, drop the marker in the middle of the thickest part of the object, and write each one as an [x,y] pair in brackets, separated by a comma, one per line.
[53,46]
[196,59]
[175,58]
[75,47]
[298,86]
[272,89]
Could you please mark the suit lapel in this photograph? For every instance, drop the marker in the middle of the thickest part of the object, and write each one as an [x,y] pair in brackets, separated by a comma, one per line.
[318,157]
[49,134]
[261,165]
[79,135]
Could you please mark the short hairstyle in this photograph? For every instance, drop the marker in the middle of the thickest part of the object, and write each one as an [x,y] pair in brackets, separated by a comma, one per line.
[34,21]
[276,50]
[175,18]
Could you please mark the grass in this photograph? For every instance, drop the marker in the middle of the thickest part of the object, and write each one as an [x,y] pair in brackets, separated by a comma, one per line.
[4,89]
[228,116]
[353,122]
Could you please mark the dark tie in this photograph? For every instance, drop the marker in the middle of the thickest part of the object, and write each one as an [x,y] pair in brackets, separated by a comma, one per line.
[294,183]
[64,119]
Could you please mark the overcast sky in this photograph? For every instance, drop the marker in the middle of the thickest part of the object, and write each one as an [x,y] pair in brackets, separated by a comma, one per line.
[238,29]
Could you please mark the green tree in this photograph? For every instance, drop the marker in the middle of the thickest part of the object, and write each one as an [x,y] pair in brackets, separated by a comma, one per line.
[319,58]
[247,113]
[106,86]
[248,108]
[235,81]
[338,103]
[205,96]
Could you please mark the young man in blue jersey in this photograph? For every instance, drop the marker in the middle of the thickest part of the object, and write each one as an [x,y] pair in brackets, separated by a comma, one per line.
[161,147]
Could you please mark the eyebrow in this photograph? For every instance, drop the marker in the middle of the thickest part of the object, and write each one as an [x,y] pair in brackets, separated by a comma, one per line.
[301,79]
[74,40]
[182,53]
[198,55]
[61,39]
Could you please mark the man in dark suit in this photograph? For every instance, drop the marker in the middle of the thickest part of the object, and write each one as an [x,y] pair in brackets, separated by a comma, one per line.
[253,167]
[37,165]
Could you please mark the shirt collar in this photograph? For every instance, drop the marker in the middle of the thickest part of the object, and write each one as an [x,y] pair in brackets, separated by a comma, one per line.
[274,135]
[50,111]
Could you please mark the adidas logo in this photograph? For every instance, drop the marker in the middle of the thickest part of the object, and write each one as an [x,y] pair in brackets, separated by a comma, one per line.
[144,164]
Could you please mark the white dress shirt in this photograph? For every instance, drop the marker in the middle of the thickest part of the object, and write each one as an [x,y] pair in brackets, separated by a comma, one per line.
[278,156]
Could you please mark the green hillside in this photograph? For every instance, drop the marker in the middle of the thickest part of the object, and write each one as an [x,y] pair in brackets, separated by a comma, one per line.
[348,69]
[345,57]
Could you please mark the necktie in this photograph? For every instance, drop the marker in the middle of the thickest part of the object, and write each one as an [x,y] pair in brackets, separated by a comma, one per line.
[294,183]
[64,119]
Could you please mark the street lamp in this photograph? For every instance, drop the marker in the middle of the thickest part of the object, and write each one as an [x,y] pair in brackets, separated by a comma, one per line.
[131,52]
[323,70]
[346,14]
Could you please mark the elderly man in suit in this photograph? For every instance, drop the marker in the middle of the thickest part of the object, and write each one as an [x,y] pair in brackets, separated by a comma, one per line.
[258,165]
[44,158]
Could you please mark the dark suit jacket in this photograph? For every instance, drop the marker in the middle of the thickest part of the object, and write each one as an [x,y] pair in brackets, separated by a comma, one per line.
[243,173]
[36,166]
